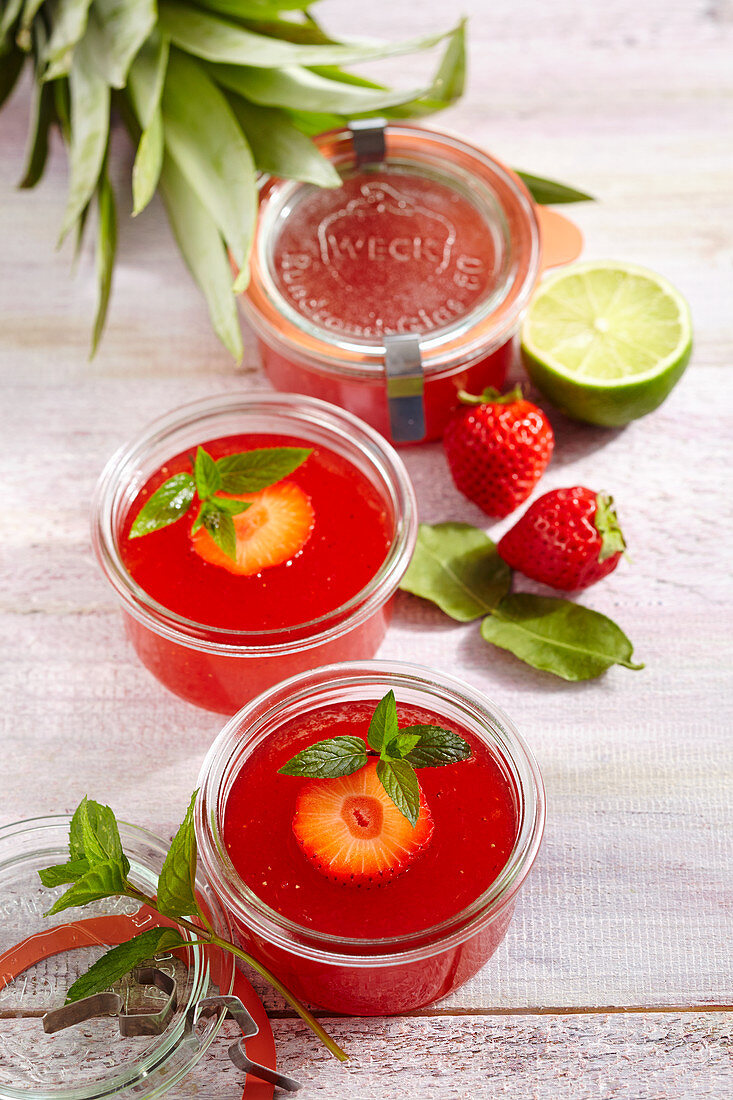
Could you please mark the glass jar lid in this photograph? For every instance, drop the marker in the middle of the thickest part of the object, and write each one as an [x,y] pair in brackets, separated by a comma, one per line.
[427,237]
[41,956]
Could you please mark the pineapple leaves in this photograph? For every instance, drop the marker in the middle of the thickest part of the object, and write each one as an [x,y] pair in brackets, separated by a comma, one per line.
[219,40]
[105,252]
[89,131]
[279,148]
[117,30]
[204,139]
[68,29]
[204,252]
[146,79]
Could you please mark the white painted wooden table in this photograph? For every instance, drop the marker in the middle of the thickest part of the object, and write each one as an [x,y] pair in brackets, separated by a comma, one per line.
[615,979]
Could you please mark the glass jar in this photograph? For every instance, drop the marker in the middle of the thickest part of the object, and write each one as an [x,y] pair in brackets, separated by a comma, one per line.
[370,976]
[41,956]
[218,668]
[390,294]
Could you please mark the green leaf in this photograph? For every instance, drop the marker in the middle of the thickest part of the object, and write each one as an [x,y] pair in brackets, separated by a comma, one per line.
[400,782]
[218,40]
[250,471]
[62,873]
[147,77]
[448,82]
[116,31]
[206,474]
[401,746]
[145,83]
[69,24]
[204,253]
[383,727]
[167,504]
[120,960]
[231,506]
[177,881]
[329,759]
[545,191]
[62,103]
[30,10]
[303,90]
[220,526]
[558,636]
[104,879]
[279,148]
[11,66]
[105,253]
[96,829]
[11,11]
[436,747]
[42,115]
[457,567]
[89,132]
[203,136]
[148,163]
[253,9]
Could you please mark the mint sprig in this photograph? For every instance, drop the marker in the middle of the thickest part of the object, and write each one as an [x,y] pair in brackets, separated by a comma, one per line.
[98,869]
[399,753]
[244,472]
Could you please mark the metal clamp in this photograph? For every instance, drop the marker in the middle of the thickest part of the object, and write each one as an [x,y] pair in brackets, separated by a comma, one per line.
[111,1004]
[209,1006]
[368,137]
[154,1023]
[405,388]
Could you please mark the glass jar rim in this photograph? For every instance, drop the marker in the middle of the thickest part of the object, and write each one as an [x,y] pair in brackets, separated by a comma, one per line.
[467,339]
[32,837]
[298,412]
[288,934]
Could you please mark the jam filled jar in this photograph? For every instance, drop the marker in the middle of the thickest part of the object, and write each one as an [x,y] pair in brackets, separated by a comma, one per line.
[391,293]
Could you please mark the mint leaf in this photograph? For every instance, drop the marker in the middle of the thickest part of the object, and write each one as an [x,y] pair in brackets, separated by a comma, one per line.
[400,782]
[457,567]
[176,883]
[328,759]
[251,471]
[206,473]
[400,746]
[220,526]
[231,505]
[105,879]
[100,836]
[122,959]
[545,191]
[62,873]
[435,747]
[167,504]
[383,727]
[558,636]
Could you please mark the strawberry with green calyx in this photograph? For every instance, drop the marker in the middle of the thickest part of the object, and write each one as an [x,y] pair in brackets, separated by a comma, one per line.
[368,826]
[569,539]
[497,448]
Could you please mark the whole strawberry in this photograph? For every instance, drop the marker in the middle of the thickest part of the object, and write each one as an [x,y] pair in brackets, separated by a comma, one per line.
[497,449]
[569,538]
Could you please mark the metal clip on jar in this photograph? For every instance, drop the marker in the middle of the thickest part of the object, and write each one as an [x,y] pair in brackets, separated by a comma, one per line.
[391,293]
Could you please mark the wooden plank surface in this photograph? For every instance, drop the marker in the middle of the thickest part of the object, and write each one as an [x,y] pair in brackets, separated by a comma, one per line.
[630,903]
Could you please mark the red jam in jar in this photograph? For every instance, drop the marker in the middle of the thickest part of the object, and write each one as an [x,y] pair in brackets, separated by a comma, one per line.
[320,553]
[352,906]
[390,293]
[474,828]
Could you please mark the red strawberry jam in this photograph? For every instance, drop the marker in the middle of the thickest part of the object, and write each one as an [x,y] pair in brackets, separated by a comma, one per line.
[336,856]
[305,546]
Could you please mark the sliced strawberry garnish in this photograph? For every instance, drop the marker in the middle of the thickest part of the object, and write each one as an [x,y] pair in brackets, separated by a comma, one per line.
[352,832]
[274,529]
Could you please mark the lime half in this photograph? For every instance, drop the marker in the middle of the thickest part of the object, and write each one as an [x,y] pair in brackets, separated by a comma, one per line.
[606,341]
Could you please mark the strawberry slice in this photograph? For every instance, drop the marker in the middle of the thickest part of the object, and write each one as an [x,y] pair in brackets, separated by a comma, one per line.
[353,833]
[272,531]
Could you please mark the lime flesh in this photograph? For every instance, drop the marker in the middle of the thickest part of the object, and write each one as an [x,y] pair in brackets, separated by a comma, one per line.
[605,341]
